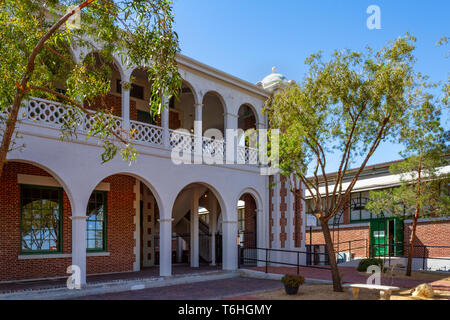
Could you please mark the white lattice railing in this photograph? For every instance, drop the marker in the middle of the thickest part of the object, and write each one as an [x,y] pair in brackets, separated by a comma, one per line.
[252,155]
[148,133]
[181,140]
[53,114]
[247,155]
[213,148]
[45,111]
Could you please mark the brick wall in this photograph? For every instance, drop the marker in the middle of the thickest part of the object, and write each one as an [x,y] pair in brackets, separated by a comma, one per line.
[250,221]
[283,211]
[345,235]
[271,211]
[120,228]
[432,233]
[114,104]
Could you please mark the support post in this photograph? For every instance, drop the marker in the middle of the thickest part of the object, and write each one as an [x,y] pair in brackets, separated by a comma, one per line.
[79,242]
[229,245]
[198,134]
[165,124]
[125,108]
[213,227]
[194,244]
[179,249]
[165,247]
[231,137]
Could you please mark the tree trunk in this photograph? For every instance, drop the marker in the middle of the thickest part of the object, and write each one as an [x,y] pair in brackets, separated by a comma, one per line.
[337,286]
[9,130]
[414,225]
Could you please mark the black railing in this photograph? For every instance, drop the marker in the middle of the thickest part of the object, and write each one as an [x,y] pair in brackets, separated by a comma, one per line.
[268,260]
[420,251]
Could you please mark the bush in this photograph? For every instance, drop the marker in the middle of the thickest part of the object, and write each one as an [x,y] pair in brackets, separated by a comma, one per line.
[365,263]
[291,280]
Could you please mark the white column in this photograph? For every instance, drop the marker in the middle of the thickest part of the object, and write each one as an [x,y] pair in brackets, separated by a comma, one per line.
[213,226]
[125,107]
[231,137]
[165,124]
[262,234]
[198,134]
[194,245]
[79,240]
[229,245]
[165,247]
[262,142]
[179,249]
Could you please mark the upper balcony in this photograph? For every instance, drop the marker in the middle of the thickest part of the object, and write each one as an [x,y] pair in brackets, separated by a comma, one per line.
[42,112]
[198,120]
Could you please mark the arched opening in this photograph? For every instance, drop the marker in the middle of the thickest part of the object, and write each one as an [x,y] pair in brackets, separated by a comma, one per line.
[247,228]
[181,109]
[213,113]
[122,225]
[247,123]
[110,102]
[35,220]
[197,227]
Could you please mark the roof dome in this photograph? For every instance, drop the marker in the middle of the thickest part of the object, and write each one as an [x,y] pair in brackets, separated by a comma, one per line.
[273,81]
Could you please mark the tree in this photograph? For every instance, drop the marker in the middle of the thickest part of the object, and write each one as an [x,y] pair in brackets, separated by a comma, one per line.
[36,60]
[420,173]
[344,108]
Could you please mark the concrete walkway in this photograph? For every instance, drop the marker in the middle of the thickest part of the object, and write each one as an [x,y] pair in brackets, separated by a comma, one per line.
[206,290]
[118,282]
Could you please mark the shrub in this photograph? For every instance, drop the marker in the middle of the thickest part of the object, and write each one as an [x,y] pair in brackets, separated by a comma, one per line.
[365,263]
[291,280]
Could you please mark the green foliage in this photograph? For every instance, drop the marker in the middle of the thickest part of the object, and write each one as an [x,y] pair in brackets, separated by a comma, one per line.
[365,263]
[137,32]
[291,280]
[344,108]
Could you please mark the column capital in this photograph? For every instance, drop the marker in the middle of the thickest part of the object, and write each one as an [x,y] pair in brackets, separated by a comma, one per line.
[231,115]
[198,105]
[165,220]
[78,217]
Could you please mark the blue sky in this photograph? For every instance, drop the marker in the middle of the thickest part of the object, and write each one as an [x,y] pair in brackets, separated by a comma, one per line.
[247,37]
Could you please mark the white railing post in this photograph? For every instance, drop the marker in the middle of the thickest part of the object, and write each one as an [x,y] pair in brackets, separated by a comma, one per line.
[165,123]
[198,134]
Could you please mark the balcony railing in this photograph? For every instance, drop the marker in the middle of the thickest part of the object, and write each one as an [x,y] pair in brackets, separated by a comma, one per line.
[52,114]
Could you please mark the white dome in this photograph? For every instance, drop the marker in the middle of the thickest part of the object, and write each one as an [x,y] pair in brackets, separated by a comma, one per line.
[274,81]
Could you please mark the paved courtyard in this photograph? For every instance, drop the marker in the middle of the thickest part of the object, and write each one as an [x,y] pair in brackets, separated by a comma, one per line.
[152,272]
[206,290]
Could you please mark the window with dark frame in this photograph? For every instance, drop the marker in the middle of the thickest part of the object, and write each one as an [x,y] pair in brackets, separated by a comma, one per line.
[96,222]
[41,219]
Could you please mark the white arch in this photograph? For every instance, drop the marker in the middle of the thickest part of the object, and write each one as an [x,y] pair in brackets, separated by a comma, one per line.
[214,190]
[254,194]
[254,111]
[220,97]
[53,174]
[136,176]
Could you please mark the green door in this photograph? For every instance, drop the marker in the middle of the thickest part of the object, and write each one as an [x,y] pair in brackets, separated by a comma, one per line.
[378,234]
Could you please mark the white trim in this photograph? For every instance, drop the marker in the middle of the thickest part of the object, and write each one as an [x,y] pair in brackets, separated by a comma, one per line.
[344,226]
[428,219]
[59,255]
[51,182]
[220,75]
